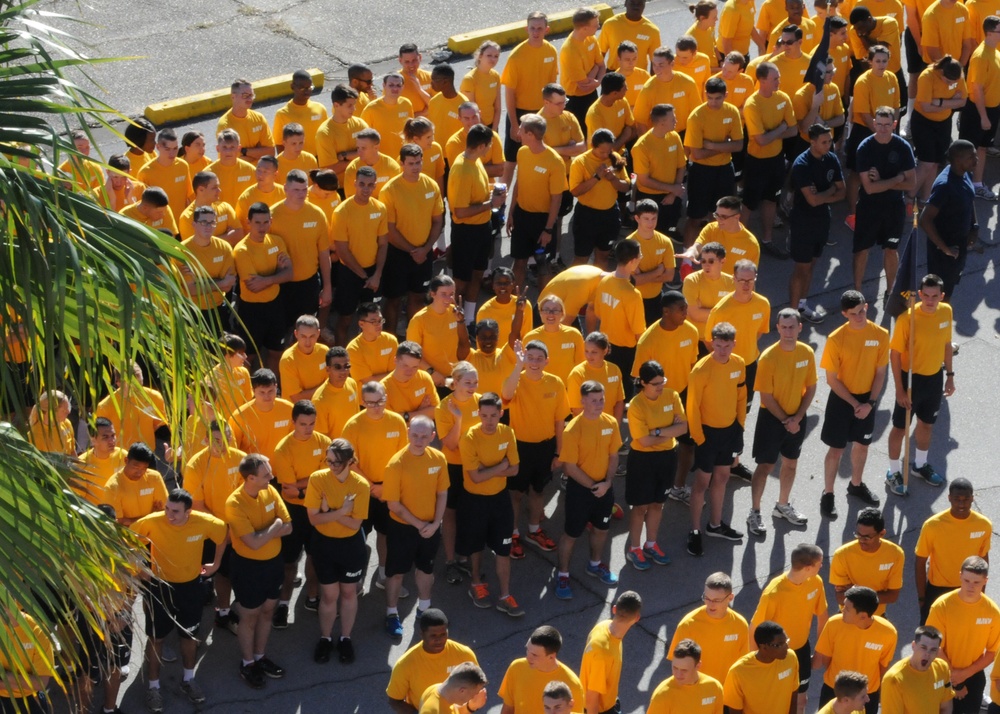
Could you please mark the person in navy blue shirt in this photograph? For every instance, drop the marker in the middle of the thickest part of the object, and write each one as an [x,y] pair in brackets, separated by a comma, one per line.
[949,217]
[817,181]
[887,169]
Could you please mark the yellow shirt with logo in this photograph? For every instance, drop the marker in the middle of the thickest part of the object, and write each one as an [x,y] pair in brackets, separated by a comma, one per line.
[786,375]
[335,406]
[608,375]
[931,86]
[258,432]
[301,371]
[93,474]
[234,179]
[855,355]
[670,697]
[619,308]
[736,24]
[932,335]
[135,498]
[360,226]
[174,179]
[412,206]
[680,91]
[386,168]
[246,514]
[437,334]
[135,417]
[614,118]
[661,158]
[310,115]
[643,32]
[723,640]
[764,114]
[646,415]
[946,541]
[754,687]
[751,320]
[850,648]
[213,479]
[165,223]
[792,606]
[306,234]
[576,286]
[831,108]
[969,629]
[699,69]
[484,85]
[946,28]
[984,70]
[522,685]
[675,350]
[415,481]
[444,420]
[304,162]
[468,184]
[881,570]
[176,551]
[225,220]
[707,124]
[601,668]
[872,92]
[371,358]
[375,441]
[717,395]
[325,483]
[536,407]
[539,177]
[254,257]
[528,70]
[405,397]
[335,138]
[601,197]
[481,450]
[296,459]
[904,689]
[388,121]
[252,128]
[418,669]
[739,245]
[565,347]
[504,314]
[656,250]
[216,259]
[590,443]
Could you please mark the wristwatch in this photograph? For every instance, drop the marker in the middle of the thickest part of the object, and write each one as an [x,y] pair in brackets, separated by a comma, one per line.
[547,230]
[243,151]
[656,432]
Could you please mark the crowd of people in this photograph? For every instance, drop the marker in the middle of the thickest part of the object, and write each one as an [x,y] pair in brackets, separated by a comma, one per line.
[437,421]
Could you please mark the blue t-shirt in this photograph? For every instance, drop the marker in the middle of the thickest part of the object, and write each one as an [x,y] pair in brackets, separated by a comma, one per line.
[953,195]
[890,159]
[821,173]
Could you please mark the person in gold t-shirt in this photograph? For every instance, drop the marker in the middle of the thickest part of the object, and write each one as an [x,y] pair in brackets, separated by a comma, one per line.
[620,310]
[464,690]
[416,491]
[337,501]
[595,180]
[257,519]
[589,455]
[922,681]
[855,357]
[930,364]
[417,86]
[601,666]
[529,678]
[373,351]
[137,489]
[721,630]
[687,689]
[303,365]
[850,694]
[168,172]
[98,463]
[255,134]
[786,380]
[764,681]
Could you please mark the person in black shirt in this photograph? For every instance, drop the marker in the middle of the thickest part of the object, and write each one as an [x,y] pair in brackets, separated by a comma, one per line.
[818,181]
[949,216]
[887,169]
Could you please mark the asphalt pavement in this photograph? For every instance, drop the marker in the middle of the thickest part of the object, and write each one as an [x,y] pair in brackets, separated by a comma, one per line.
[191,49]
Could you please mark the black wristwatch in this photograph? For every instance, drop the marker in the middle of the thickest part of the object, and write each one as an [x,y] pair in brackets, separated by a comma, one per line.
[656,432]
[243,151]
[302,493]
[430,370]
[597,176]
[547,230]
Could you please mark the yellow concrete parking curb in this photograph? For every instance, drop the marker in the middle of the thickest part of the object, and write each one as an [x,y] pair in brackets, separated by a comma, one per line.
[506,35]
[218,100]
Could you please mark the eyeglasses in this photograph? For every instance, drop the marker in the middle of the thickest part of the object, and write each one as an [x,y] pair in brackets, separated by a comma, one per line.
[379,403]
[551,310]
[724,217]
[340,367]
[745,281]
[335,462]
[714,601]
[246,95]
[207,223]
[370,80]
[379,321]
[658,383]
[865,537]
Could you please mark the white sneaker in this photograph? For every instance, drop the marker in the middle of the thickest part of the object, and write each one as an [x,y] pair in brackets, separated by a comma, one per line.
[984,193]
[993,151]
[755,524]
[681,494]
[813,315]
[788,512]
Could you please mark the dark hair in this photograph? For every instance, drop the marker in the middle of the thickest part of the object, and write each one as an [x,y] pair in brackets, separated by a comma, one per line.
[137,131]
[927,631]
[188,138]
[263,377]
[871,517]
[817,130]
[432,617]
[627,249]
[102,423]
[612,82]
[408,151]
[688,648]
[805,554]
[849,684]
[851,299]
[764,70]
[715,85]
[233,343]
[650,370]
[326,179]
[629,603]
[626,46]
[671,298]
[599,339]
[864,599]
[119,162]
[960,485]
[766,632]
[660,111]
[951,68]
[179,495]
[356,70]
[408,348]
[202,179]
[646,205]
[548,638]
[715,248]
[490,399]
[335,352]
[686,43]
[479,135]
[932,281]
[591,386]
[443,70]
[341,93]
[303,407]
[156,197]
[365,309]
[251,463]
[140,452]
[258,208]
[407,48]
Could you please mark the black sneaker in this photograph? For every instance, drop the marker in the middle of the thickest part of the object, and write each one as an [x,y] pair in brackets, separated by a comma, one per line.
[775,251]
[252,675]
[741,472]
[270,669]
[723,530]
[827,507]
[862,491]
[345,648]
[321,654]
[465,566]
[312,604]
[694,546]
[230,621]
[279,620]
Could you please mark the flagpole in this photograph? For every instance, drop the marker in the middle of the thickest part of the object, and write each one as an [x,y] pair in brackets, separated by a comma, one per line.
[910,302]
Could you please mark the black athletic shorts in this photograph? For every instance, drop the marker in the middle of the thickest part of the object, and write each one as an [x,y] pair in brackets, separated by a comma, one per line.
[339,560]
[804,655]
[928,391]
[840,426]
[484,522]
[720,448]
[668,216]
[167,605]
[300,538]
[914,60]
[511,147]
[456,485]
[257,581]
[535,469]
[859,132]
[37,704]
[378,517]
[706,185]
[208,556]
[351,290]
[264,323]
[301,298]
[771,438]
[402,275]
[879,222]
[807,236]
[763,180]
[931,139]
[970,129]
[527,230]
[685,438]
[594,229]
[649,475]
[471,246]
[583,507]
[405,548]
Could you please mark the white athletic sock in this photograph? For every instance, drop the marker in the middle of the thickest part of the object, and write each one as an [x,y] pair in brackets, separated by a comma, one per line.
[594,563]
[803,304]
[247,662]
[562,574]
[258,657]
[909,106]
[977,184]
[921,459]
[381,572]
[154,684]
[895,466]
[391,611]
[470,312]
[424,604]
[532,527]
[283,602]
[650,544]
[223,611]
[517,533]
[188,675]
